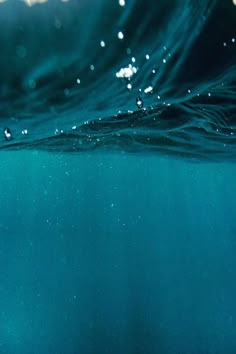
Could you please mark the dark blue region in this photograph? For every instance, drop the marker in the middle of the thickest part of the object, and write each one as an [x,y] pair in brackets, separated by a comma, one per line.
[59,90]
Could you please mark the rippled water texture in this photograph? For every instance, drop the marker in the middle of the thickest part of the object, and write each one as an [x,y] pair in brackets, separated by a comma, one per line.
[147,77]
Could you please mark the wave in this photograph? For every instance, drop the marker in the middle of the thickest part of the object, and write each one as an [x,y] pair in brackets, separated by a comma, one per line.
[138,76]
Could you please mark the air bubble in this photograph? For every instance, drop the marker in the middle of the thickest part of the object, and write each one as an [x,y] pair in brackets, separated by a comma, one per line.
[7,134]
[122,2]
[148,90]
[120,35]
[139,102]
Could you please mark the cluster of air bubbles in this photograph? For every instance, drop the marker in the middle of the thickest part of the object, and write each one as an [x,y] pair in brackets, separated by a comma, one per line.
[58,131]
[233,40]
[126,72]
[24,132]
[148,90]
[7,134]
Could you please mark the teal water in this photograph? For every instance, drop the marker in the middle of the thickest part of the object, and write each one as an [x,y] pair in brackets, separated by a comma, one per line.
[111,253]
[156,77]
[117,183]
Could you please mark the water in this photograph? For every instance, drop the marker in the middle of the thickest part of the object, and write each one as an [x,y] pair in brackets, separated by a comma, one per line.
[117,184]
[71,85]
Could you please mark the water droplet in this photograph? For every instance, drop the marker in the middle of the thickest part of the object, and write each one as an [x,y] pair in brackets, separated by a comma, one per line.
[122,2]
[149,90]
[7,134]
[120,35]
[139,102]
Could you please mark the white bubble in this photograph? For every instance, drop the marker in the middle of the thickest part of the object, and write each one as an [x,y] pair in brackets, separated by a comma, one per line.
[126,72]
[147,57]
[120,35]
[102,44]
[122,2]
[148,89]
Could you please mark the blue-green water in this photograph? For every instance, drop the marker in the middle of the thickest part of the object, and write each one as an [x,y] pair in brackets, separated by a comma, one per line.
[117,183]
[150,76]
[116,254]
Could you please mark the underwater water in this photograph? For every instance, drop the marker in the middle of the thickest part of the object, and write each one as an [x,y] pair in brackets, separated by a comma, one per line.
[149,76]
[117,184]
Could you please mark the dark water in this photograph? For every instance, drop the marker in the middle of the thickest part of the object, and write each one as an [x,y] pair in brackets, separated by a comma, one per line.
[59,88]
[116,233]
